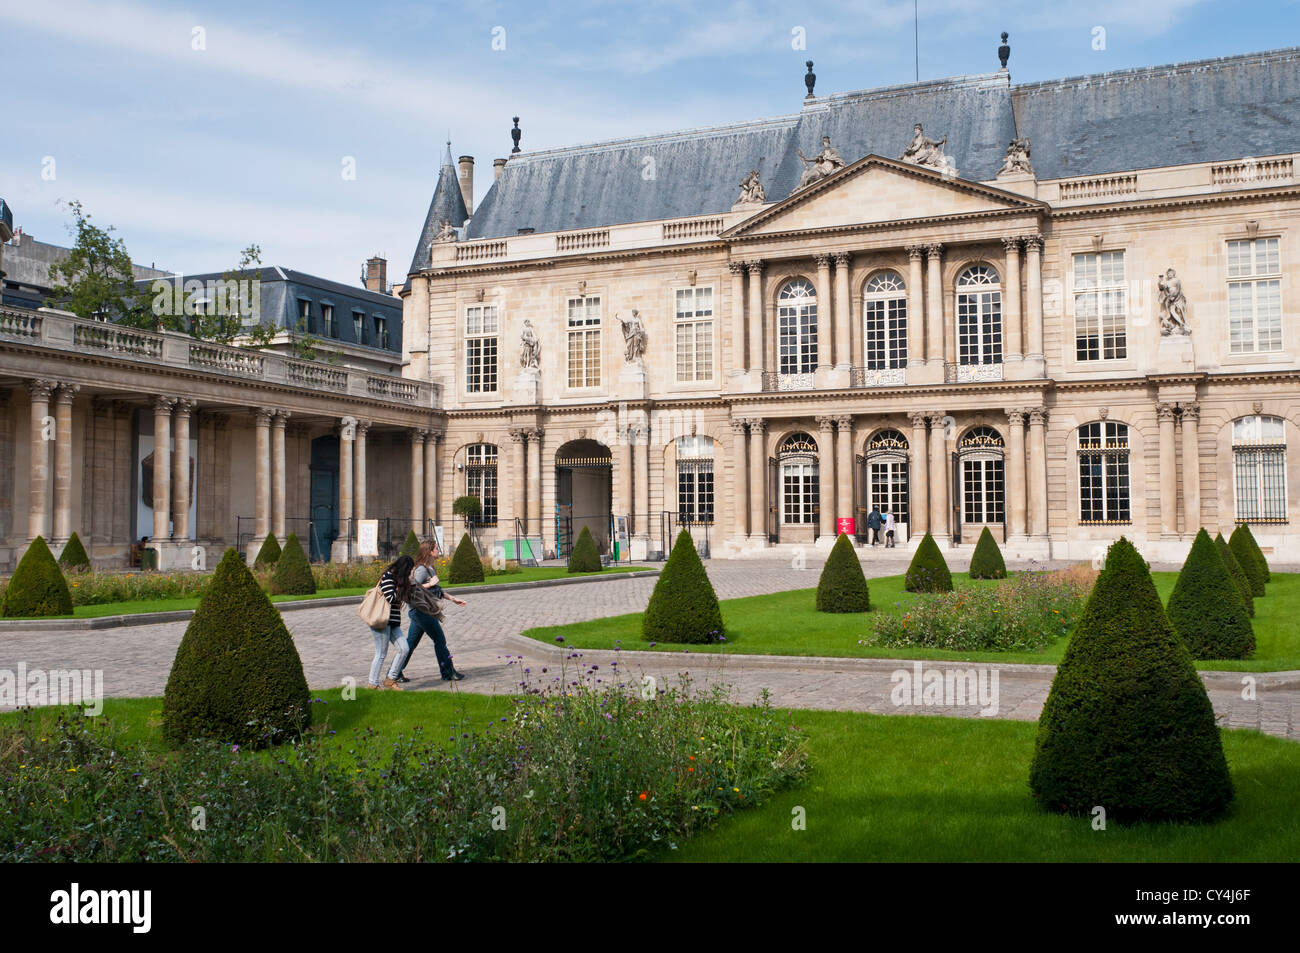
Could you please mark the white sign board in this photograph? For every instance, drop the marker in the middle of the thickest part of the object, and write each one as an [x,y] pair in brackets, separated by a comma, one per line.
[368,538]
[437,534]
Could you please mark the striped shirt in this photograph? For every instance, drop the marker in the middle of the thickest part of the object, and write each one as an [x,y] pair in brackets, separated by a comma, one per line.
[389,588]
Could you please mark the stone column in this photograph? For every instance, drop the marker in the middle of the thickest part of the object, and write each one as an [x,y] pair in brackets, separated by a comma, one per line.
[417,480]
[1191,468]
[737,304]
[1012,350]
[361,476]
[431,479]
[1036,471]
[624,474]
[757,481]
[1015,463]
[162,469]
[826,478]
[38,481]
[739,476]
[641,482]
[347,439]
[824,305]
[843,469]
[755,316]
[63,461]
[534,524]
[934,308]
[262,475]
[523,492]
[938,478]
[1034,294]
[182,479]
[915,308]
[1168,471]
[918,503]
[843,326]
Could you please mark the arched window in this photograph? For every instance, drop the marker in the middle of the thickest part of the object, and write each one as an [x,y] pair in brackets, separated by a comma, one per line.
[797,458]
[979,316]
[481,479]
[1259,469]
[1103,473]
[884,321]
[887,475]
[694,480]
[983,476]
[797,320]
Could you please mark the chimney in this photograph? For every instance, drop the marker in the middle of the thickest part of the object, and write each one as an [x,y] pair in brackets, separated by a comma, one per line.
[497,166]
[466,177]
[377,275]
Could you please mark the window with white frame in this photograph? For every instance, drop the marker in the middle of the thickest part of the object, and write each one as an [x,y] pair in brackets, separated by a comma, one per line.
[584,342]
[1254,295]
[327,321]
[1259,469]
[359,327]
[1100,307]
[694,480]
[1103,473]
[481,479]
[304,315]
[693,332]
[979,316]
[983,476]
[797,320]
[481,328]
[797,458]
[381,332]
[884,321]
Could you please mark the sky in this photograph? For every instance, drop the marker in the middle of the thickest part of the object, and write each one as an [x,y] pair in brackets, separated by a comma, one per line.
[315,129]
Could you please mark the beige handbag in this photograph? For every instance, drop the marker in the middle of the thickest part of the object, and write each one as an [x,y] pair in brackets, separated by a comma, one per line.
[374,608]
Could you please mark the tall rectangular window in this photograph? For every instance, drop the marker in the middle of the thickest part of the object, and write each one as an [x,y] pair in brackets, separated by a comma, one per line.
[481,349]
[1103,473]
[381,332]
[481,479]
[1100,307]
[694,480]
[1259,469]
[693,332]
[1255,295]
[304,315]
[359,327]
[584,342]
[327,321]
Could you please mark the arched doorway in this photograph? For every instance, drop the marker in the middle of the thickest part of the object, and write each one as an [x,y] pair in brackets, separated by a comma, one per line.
[584,471]
[324,496]
[884,482]
[796,505]
[980,478]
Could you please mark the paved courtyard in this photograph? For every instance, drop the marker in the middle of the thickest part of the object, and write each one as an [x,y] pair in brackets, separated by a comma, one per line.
[484,638]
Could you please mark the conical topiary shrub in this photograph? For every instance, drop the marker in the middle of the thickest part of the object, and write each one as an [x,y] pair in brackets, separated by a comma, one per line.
[465,564]
[292,576]
[1205,607]
[1127,725]
[928,572]
[986,562]
[74,558]
[842,586]
[411,547]
[1243,547]
[37,587]
[585,557]
[237,676]
[683,607]
[269,554]
[1238,574]
[1253,546]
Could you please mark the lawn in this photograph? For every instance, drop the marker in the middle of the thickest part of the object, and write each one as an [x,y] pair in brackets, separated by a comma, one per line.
[883,788]
[785,623]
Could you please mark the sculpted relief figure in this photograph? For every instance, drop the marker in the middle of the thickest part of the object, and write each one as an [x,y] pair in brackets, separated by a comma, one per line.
[634,337]
[530,348]
[445,233]
[751,190]
[1016,160]
[1173,304]
[924,151]
[820,165]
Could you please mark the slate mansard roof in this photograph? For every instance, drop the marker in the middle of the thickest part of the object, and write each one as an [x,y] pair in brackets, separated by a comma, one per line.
[1220,109]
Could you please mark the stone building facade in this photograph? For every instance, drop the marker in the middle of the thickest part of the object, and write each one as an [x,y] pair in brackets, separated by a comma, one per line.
[1061,310]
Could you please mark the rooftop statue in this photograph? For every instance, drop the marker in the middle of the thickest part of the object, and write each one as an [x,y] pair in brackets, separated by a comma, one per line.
[820,165]
[924,151]
[445,233]
[1016,160]
[751,190]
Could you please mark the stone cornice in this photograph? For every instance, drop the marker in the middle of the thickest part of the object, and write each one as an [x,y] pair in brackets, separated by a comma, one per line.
[1178,201]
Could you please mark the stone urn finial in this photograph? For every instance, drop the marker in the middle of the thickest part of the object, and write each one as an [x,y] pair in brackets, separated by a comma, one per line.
[1004,51]
[810,80]
[515,133]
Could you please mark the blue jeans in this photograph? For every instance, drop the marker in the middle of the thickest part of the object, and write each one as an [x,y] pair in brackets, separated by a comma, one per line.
[383,638]
[420,624]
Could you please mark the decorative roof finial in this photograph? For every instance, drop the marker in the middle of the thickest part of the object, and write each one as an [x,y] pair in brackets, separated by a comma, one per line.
[810,80]
[1004,51]
[515,133]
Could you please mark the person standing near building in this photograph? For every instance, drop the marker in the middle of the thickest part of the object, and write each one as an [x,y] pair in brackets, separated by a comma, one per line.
[422,622]
[874,523]
[889,529]
[395,584]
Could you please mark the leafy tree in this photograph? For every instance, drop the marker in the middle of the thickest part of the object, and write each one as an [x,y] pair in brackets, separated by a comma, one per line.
[1206,609]
[842,586]
[95,280]
[37,587]
[683,607]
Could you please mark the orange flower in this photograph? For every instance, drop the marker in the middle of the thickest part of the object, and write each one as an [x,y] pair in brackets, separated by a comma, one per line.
[644,795]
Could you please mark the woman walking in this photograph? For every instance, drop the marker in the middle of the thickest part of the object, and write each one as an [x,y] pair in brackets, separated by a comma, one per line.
[423,621]
[395,584]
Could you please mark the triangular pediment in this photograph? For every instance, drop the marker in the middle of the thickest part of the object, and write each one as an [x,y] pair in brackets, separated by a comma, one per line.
[874,191]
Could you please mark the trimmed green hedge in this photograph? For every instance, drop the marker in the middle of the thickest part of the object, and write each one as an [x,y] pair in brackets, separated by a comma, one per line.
[411,547]
[465,563]
[1128,726]
[683,607]
[292,574]
[1238,574]
[74,558]
[928,572]
[237,676]
[37,587]
[1242,544]
[986,562]
[585,557]
[1251,547]
[842,586]
[270,552]
[1206,609]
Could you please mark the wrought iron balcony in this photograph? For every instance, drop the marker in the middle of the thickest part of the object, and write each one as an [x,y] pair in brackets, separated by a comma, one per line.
[971,373]
[772,381]
[879,376]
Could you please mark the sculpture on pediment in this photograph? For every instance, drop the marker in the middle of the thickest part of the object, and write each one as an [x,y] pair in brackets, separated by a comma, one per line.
[634,337]
[1173,304]
[820,165]
[1016,161]
[445,232]
[924,151]
[751,190]
[530,348]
